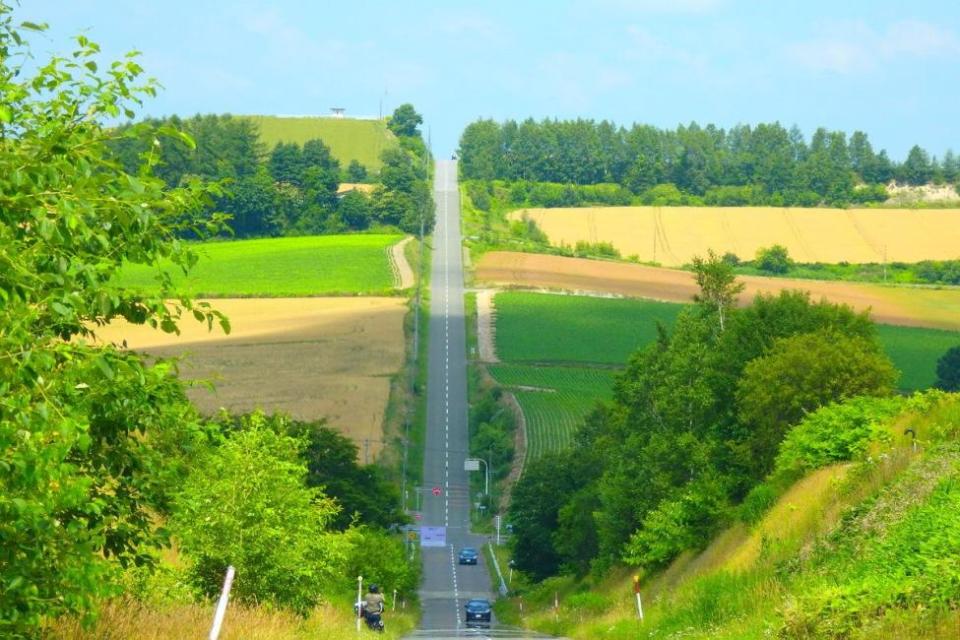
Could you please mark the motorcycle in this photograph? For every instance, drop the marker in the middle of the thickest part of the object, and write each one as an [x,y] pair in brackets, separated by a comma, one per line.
[374,621]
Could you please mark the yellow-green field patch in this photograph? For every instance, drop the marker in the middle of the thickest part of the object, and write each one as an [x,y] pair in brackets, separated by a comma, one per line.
[348,138]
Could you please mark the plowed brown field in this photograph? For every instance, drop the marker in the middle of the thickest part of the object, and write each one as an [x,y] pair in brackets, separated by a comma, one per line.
[674,235]
[938,308]
[308,357]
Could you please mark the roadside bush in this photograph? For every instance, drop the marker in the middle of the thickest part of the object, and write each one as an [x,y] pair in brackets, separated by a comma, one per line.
[757,503]
[381,559]
[479,194]
[840,431]
[675,525]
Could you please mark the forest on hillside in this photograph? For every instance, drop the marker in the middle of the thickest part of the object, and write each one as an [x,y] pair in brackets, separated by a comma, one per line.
[290,189]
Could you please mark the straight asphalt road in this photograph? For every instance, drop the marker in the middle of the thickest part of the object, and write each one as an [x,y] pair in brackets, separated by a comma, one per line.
[445,499]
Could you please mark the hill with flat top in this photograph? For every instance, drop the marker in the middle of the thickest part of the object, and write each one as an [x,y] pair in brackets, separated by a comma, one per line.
[348,138]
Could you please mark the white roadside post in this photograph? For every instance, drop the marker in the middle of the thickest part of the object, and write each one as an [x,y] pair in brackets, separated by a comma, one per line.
[359,601]
[222,604]
[636,591]
[497,520]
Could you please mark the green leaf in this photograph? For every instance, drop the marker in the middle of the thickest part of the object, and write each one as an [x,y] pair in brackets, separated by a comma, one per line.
[6,115]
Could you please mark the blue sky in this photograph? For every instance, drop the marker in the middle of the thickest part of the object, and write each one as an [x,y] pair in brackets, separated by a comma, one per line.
[889,68]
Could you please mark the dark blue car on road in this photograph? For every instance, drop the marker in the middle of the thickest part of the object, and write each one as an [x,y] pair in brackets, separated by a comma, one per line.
[478,611]
[468,555]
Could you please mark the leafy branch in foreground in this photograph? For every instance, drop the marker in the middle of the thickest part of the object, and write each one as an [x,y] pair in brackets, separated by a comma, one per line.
[90,435]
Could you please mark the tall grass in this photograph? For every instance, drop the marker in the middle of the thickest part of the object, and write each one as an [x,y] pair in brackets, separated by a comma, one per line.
[130,620]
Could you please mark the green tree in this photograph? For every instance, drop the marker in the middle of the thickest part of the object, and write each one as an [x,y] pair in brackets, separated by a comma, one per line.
[250,203]
[356,172]
[948,370]
[917,169]
[537,499]
[355,209]
[286,163]
[405,121]
[245,504]
[91,438]
[362,493]
[774,259]
[799,375]
[718,285]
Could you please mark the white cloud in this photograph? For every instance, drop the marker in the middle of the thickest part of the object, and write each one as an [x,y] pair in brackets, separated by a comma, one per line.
[856,48]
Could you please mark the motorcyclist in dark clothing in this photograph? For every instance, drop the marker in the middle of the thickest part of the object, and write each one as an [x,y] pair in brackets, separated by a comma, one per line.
[372,608]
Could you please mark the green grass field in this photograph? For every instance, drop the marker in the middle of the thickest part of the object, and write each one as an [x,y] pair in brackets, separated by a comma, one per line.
[348,139]
[915,352]
[282,267]
[554,400]
[552,330]
[534,327]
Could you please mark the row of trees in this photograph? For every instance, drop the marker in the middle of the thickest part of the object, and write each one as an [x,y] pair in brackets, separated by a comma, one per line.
[103,460]
[695,424]
[288,190]
[762,164]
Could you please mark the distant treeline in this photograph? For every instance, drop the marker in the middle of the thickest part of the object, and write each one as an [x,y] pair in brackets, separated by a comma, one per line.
[765,164]
[290,189]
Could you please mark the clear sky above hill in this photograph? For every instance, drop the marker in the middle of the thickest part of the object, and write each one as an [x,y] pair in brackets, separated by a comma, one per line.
[888,67]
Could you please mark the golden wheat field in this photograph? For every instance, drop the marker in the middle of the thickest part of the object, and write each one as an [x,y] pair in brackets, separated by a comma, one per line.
[672,236]
[308,357]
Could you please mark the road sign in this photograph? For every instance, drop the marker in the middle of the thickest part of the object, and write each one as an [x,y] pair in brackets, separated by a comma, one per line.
[437,491]
[471,464]
[433,536]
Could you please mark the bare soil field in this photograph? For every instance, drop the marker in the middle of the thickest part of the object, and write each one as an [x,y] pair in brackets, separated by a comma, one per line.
[916,307]
[674,235]
[308,357]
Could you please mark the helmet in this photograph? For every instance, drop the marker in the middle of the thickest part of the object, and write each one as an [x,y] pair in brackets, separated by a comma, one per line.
[374,588]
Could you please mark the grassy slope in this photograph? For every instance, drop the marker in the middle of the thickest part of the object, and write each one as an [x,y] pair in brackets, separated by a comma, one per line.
[283,267]
[348,139]
[854,551]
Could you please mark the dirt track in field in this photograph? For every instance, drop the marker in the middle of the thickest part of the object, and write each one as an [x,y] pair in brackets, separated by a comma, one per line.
[308,357]
[938,308]
[402,273]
